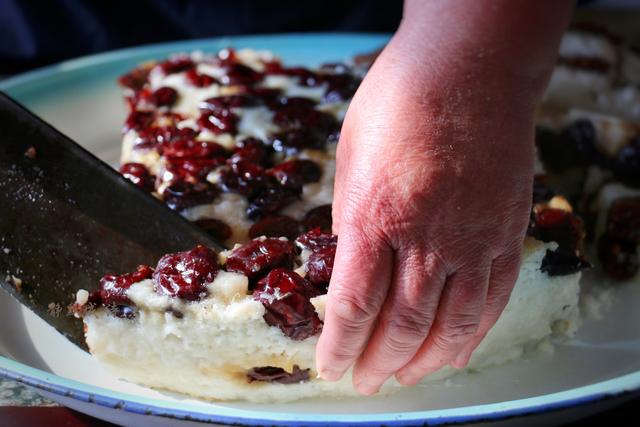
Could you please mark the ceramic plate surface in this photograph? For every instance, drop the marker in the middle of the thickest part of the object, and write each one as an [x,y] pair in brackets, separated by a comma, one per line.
[81,98]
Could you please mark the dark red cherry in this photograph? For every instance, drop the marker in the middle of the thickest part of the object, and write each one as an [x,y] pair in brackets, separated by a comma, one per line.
[177,64]
[186,274]
[136,79]
[217,228]
[319,217]
[295,173]
[251,150]
[270,200]
[139,175]
[276,226]
[239,74]
[113,288]
[274,374]
[138,120]
[181,195]
[198,79]
[243,178]
[164,96]
[255,258]
[285,296]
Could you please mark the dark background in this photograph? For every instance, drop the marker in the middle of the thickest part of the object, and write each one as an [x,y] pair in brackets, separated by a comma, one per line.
[37,33]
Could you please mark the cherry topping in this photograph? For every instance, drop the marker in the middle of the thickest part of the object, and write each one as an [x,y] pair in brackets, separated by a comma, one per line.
[185,274]
[624,218]
[254,258]
[295,173]
[561,262]
[192,169]
[239,74]
[556,225]
[278,375]
[298,113]
[618,246]
[136,78]
[323,251]
[281,281]
[319,217]
[218,122]
[340,86]
[305,76]
[192,160]
[618,256]
[285,296]
[243,178]
[316,240]
[251,150]
[270,200]
[187,147]
[198,79]
[177,64]
[293,103]
[626,166]
[218,229]
[574,146]
[303,128]
[139,175]
[113,290]
[139,120]
[181,195]
[276,226]
[222,103]
[164,96]
[150,137]
[227,56]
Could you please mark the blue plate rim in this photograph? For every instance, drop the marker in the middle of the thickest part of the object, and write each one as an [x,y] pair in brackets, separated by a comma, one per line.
[49,382]
[177,45]
[42,380]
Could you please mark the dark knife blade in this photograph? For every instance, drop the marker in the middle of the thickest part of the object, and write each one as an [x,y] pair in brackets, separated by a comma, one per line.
[67,218]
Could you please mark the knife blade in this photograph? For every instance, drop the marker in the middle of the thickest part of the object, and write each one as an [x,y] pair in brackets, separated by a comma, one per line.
[67,218]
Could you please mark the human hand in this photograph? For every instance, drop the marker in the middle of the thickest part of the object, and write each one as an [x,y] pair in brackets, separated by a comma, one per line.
[432,199]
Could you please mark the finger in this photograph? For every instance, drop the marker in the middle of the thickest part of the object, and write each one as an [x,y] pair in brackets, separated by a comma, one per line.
[504,273]
[404,322]
[358,288]
[455,324]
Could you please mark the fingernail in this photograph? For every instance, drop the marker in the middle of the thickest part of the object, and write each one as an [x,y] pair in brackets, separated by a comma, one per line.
[367,388]
[462,360]
[407,380]
[329,375]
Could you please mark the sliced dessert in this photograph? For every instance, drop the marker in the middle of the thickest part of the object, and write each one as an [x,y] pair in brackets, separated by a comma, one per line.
[243,324]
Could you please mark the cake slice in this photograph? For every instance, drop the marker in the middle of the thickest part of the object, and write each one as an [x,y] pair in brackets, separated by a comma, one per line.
[243,324]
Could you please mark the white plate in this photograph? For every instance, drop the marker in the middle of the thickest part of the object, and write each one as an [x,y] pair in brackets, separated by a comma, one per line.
[81,98]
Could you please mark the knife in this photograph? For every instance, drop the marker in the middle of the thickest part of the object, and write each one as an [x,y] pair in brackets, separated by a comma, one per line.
[67,218]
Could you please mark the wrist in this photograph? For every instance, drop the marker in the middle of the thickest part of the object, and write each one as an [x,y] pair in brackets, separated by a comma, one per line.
[508,41]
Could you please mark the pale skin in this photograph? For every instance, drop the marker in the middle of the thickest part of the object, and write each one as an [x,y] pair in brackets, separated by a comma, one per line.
[433,187]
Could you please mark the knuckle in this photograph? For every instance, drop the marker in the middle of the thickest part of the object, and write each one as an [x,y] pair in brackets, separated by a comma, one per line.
[408,327]
[353,310]
[378,370]
[468,295]
[460,329]
[342,354]
[497,297]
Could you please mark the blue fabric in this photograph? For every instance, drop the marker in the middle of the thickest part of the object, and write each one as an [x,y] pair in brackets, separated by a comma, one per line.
[35,33]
